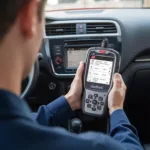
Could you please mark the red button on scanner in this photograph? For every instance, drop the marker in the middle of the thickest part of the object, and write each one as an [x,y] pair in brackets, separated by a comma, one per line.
[92,57]
[102,51]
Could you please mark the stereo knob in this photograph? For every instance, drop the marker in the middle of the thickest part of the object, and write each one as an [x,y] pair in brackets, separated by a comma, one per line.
[58,60]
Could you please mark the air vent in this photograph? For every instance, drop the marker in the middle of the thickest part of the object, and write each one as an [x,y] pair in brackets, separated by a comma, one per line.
[101,28]
[60,29]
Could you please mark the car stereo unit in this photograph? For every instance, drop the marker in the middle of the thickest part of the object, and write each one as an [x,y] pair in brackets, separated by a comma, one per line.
[66,54]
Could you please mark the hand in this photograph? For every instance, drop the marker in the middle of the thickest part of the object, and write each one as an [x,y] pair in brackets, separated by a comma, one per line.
[74,95]
[117,95]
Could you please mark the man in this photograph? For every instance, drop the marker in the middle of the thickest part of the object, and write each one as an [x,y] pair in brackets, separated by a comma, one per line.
[21,23]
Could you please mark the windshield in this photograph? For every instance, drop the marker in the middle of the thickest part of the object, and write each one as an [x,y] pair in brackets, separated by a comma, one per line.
[85,4]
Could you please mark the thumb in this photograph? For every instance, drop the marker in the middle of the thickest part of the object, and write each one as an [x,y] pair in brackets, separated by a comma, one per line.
[117,81]
[80,70]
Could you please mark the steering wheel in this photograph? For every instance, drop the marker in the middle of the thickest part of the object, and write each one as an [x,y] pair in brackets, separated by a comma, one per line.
[31,80]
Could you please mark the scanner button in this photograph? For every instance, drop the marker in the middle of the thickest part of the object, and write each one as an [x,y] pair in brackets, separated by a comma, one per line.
[89,105]
[95,95]
[99,107]
[102,103]
[100,98]
[87,100]
[94,102]
[94,109]
[90,96]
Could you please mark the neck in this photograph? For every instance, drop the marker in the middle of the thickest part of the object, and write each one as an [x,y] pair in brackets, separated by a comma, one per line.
[12,61]
[10,78]
[10,69]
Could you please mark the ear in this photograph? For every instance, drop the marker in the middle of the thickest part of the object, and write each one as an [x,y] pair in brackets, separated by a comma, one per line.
[28,19]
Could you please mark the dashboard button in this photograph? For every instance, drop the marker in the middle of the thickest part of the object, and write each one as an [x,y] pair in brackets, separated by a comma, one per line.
[94,109]
[89,105]
[57,53]
[94,102]
[81,26]
[58,60]
[57,48]
[58,68]
[81,31]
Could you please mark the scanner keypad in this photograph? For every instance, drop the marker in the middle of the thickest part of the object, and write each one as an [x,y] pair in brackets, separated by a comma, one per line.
[94,102]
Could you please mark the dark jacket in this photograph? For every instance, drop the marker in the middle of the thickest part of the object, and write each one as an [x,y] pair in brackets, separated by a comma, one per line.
[20,130]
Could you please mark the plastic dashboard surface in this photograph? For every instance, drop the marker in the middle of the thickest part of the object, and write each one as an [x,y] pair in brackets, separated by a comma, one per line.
[134,23]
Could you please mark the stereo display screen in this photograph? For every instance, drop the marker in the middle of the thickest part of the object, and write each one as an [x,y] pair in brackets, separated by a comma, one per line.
[75,55]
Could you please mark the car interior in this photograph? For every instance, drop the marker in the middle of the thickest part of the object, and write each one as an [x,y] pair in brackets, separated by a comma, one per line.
[70,30]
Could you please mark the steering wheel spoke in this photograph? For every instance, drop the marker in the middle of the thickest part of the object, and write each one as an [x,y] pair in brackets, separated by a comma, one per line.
[32,80]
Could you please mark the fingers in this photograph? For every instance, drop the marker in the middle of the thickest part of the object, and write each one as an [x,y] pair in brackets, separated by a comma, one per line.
[80,70]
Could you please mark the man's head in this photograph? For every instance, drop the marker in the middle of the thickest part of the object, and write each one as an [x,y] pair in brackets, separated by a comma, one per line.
[21,30]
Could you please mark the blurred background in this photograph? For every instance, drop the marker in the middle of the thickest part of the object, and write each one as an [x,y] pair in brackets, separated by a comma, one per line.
[75,4]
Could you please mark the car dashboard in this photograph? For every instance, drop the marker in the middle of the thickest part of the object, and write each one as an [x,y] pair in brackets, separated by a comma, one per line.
[67,37]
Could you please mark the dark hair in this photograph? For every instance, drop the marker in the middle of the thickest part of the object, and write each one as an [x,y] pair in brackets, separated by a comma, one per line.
[9,10]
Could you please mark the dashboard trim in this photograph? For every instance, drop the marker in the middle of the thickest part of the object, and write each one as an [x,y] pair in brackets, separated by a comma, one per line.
[30,82]
[61,75]
[143,60]
[83,35]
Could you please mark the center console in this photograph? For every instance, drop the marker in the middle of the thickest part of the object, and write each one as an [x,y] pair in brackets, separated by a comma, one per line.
[66,51]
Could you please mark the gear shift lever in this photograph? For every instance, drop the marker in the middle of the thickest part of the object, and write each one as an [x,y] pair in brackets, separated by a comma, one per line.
[76,125]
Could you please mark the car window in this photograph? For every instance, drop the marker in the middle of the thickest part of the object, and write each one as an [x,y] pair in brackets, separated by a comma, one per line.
[85,4]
